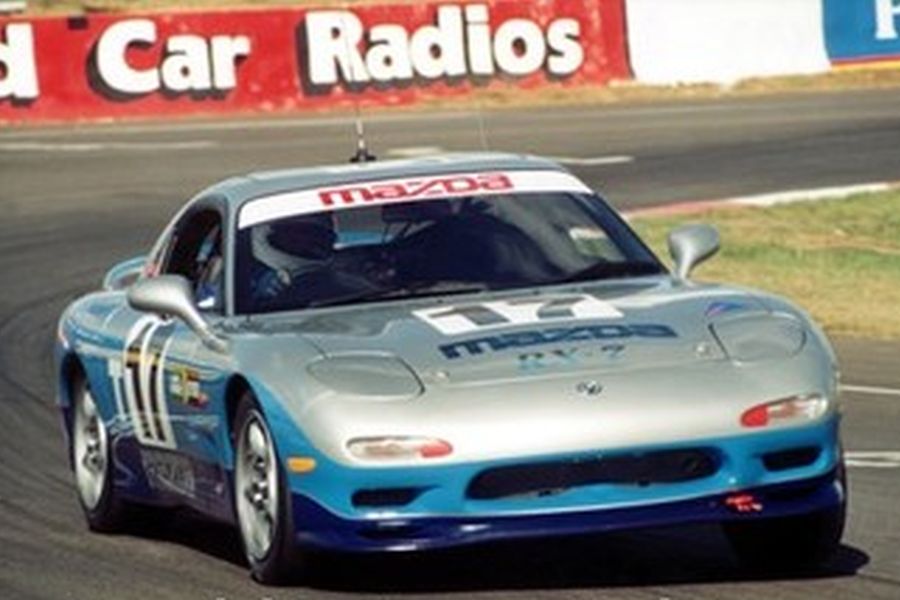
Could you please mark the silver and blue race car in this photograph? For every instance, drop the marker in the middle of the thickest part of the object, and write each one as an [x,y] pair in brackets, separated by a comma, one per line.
[406,355]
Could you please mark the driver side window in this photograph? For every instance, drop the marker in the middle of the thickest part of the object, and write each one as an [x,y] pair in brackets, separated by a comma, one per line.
[196,254]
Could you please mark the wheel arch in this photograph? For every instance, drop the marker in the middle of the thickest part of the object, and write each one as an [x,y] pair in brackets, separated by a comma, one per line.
[288,434]
[71,370]
[237,386]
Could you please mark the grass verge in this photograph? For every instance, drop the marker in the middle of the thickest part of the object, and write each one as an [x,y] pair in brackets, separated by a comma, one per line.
[839,259]
[498,97]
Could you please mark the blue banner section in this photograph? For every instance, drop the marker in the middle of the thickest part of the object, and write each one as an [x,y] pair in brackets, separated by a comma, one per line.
[862,29]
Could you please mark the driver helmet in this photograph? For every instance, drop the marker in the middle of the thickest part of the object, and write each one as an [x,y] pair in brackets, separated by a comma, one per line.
[295,245]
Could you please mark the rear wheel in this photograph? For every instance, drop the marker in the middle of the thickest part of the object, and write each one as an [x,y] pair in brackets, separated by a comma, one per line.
[790,542]
[91,459]
[261,498]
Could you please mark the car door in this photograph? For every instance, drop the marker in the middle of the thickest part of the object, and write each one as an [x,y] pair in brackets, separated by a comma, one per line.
[170,380]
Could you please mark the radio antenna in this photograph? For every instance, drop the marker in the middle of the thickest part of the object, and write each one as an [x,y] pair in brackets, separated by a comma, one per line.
[362,149]
[482,128]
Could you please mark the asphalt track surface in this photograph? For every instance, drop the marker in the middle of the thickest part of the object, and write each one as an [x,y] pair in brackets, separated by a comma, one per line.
[73,201]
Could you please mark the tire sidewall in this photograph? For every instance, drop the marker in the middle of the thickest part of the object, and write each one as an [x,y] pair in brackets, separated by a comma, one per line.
[276,566]
[107,515]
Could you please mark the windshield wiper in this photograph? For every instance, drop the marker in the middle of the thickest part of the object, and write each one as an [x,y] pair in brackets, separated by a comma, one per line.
[612,270]
[440,288]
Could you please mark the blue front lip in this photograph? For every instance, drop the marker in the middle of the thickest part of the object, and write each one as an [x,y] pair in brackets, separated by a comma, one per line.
[319,528]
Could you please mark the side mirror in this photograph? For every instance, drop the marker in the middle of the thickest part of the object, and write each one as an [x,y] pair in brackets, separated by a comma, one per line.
[122,275]
[690,245]
[171,295]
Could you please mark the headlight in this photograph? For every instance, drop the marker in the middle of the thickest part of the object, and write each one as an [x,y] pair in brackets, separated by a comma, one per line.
[370,376]
[398,448]
[760,337]
[796,408]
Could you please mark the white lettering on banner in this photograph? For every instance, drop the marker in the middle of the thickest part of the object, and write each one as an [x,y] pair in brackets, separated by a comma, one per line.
[479,38]
[18,72]
[563,38]
[190,63]
[519,47]
[886,11]
[331,38]
[111,63]
[460,43]
[437,50]
[388,59]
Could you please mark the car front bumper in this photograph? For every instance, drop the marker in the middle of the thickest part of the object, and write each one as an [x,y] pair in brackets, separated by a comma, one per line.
[321,529]
[443,514]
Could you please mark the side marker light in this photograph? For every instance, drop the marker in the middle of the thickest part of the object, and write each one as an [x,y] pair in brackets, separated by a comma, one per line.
[301,464]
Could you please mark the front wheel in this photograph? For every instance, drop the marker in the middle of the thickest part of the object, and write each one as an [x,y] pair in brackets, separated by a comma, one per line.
[92,461]
[261,497]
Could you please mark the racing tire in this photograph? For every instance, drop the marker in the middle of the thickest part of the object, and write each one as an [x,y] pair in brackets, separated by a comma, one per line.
[789,543]
[91,456]
[262,499]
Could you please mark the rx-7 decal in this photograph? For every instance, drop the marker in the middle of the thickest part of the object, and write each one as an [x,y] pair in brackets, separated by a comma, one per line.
[140,378]
[458,320]
[537,361]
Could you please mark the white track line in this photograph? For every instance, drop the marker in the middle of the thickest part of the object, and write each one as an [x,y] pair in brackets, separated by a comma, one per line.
[762,200]
[415,151]
[229,125]
[589,161]
[871,390]
[826,193]
[873,459]
[592,161]
[104,146]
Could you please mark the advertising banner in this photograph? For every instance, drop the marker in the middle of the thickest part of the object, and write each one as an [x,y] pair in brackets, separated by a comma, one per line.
[113,66]
[702,41]
[862,30]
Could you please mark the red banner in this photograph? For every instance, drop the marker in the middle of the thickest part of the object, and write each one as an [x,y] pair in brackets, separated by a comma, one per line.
[161,65]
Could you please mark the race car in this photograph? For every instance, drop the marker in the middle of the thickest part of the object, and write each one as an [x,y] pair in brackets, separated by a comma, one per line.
[407,355]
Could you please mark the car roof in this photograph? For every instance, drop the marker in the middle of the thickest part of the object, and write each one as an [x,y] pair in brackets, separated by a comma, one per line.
[239,190]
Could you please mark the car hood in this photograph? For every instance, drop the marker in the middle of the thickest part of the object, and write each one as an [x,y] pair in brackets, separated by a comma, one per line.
[648,361]
[494,337]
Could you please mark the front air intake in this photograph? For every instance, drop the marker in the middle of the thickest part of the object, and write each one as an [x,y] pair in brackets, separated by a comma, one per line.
[791,459]
[385,497]
[545,478]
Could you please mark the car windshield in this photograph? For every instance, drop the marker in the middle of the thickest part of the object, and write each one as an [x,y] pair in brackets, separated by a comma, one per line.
[433,247]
